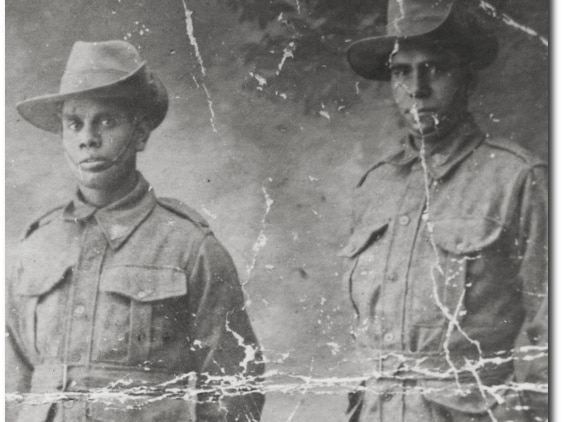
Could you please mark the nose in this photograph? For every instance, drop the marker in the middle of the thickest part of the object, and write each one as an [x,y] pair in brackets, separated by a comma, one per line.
[90,137]
[419,85]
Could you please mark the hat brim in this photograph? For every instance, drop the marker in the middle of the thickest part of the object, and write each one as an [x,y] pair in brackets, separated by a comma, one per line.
[369,57]
[44,111]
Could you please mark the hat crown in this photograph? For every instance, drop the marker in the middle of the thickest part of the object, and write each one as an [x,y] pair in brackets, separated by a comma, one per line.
[406,17]
[104,69]
[452,22]
[93,64]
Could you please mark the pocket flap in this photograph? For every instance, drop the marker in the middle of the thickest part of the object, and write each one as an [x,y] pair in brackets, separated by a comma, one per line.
[362,237]
[144,283]
[461,236]
[473,402]
[36,280]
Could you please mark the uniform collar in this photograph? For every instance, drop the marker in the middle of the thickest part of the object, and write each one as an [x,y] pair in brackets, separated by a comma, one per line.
[119,219]
[442,156]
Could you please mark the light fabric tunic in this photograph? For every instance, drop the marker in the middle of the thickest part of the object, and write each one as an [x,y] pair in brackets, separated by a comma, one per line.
[138,293]
[447,273]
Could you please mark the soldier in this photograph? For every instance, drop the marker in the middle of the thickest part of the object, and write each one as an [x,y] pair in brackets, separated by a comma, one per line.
[119,289]
[447,260]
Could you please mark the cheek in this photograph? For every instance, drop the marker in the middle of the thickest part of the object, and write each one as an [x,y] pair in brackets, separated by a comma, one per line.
[68,145]
[399,93]
[116,139]
[450,90]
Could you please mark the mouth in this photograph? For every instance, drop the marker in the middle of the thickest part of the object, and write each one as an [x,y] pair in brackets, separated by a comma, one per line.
[94,164]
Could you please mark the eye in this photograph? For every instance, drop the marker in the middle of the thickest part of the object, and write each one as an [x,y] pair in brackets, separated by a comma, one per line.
[73,125]
[437,69]
[399,71]
[109,122]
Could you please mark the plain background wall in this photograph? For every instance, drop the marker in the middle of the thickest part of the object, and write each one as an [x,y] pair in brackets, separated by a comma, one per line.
[262,151]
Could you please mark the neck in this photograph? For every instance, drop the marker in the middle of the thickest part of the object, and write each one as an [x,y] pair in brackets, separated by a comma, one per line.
[100,198]
[439,134]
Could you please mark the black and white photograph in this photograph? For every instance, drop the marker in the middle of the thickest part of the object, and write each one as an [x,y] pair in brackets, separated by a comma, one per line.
[277,210]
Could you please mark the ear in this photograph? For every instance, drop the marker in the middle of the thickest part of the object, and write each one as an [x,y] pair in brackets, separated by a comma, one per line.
[142,133]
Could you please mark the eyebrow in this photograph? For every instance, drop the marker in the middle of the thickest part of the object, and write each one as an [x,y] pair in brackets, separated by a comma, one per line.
[68,115]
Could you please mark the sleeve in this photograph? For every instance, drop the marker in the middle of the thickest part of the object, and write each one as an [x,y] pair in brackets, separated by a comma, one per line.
[531,364]
[18,370]
[228,358]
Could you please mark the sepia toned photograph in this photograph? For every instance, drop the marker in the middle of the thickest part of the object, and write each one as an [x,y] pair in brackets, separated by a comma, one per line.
[277,210]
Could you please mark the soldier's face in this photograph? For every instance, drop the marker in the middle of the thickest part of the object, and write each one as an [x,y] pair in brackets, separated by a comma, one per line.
[430,87]
[100,138]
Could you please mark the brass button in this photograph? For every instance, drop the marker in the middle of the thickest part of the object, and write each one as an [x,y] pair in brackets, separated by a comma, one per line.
[68,403]
[392,277]
[142,294]
[79,310]
[75,357]
[404,220]
[388,338]
[439,159]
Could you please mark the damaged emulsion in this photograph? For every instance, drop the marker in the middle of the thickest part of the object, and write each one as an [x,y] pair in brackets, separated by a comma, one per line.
[442,274]
[447,261]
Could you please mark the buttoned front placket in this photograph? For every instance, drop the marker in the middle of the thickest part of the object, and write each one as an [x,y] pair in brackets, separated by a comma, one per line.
[84,295]
[392,303]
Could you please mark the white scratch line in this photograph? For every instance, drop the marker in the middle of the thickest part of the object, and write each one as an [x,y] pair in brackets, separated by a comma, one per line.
[210,105]
[305,389]
[262,239]
[452,319]
[402,11]
[209,213]
[298,4]
[492,11]
[271,382]
[325,114]
[249,350]
[261,81]
[193,42]
[287,53]
[191,36]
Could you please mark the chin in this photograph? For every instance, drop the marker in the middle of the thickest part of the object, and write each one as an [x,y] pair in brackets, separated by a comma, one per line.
[101,180]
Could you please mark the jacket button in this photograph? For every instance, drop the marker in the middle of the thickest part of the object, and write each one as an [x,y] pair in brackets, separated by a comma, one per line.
[439,159]
[388,338]
[392,277]
[68,403]
[79,310]
[142,294]
[75,357]
[404,220]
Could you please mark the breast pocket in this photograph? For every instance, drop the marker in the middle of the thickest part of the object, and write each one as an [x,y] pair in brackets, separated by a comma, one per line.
[465,253]
[139,308]
[40,300]
[365,266]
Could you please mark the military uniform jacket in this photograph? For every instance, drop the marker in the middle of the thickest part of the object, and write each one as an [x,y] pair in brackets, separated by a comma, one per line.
[139,293]
[447,273]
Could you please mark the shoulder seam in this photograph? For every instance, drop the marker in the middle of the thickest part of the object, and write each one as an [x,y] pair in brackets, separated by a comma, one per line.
[517,150]
[179,208]
[36,223]
[385,158]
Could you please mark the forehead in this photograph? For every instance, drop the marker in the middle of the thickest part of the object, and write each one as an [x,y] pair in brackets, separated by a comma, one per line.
[409,52]
[93,106]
